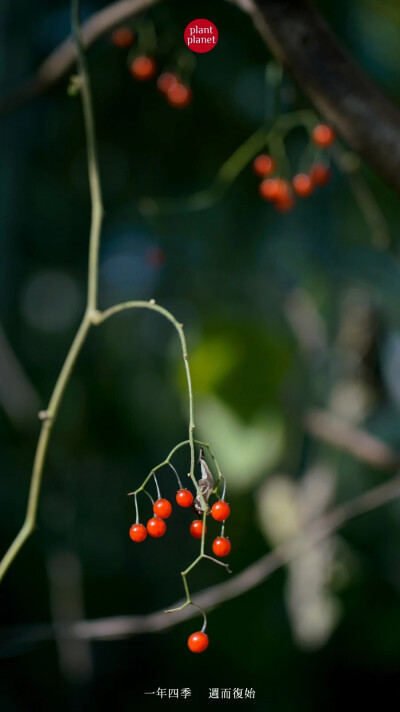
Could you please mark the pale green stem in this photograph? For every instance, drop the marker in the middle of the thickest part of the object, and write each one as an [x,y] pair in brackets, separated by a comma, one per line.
[91,315]
[100,317]
[92,158]
[51,412]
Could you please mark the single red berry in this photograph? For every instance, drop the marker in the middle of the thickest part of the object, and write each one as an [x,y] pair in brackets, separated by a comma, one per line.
[179,95]
[138,532]
[268,188]
[196,528]
[302,185]
[221,546]
[323,135]
[283,191]
[263,165]
[184,498]
[162,508]
[122,37]
[198,642]
[320,174]
[220,511]
[155,257]
[165,81]
[285,205]
[143,68]
[156,527]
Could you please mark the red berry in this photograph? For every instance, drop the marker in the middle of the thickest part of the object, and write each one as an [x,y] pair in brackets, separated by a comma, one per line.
[323,135]
[155,257]
[138,532]
[165,81]
[162,508]
[263,165]
[302,185]
[283,192]
[221,546]
[196,528]
[320,173]
[122,37]
[184,498]
[285,205]
[156,527]
[143,68]
[198,642]
[220,511]
[268,188]
[179,95]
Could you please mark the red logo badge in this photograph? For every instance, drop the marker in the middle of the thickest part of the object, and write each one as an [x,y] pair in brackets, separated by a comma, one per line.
[201,35]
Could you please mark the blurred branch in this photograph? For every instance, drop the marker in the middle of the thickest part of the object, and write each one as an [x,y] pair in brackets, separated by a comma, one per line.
[125,626]
[67,604]
[297,36]
[327,427]
[349,164]
[92,317]
[362,114]
[63,57]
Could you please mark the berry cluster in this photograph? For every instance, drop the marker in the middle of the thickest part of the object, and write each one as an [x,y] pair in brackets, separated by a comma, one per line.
[162,510]
[143,67]
[282,192]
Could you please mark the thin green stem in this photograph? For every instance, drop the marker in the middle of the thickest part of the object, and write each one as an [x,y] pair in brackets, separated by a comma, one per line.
[91,316]
[50,414]
[100,317]
[92,158]
[157,487]
[176,475]
[232,167]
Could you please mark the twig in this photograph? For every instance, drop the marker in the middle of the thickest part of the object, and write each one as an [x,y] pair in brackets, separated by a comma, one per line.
[92,316]
[328,427]
[297,35]
[63,57]
[120,627]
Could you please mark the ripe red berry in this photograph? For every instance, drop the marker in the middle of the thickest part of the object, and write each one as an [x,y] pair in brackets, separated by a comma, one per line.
[138,532]
[143,68]
[165,81]
[302,185]
[198,642]
[196,528]
[154,257]
[156,527]
[263,165]
[285,205]
[221,546]
[323,135]
[179,95]
[320,174]
[268,188]
[162,508]
[122,37]
[220,511]
[184,498]
[283,192]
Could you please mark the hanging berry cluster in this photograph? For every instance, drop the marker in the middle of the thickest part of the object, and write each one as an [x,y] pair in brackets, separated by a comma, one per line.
[143,68]
[199,502]
[280,191]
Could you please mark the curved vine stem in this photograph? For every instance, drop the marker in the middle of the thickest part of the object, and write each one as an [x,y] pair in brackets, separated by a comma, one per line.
[91,316]
[100,317]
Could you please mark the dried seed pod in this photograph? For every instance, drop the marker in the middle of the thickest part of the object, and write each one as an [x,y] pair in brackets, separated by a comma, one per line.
[206,485]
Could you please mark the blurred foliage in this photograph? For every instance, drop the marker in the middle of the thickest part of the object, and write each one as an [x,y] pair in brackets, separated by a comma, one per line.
[264,299]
